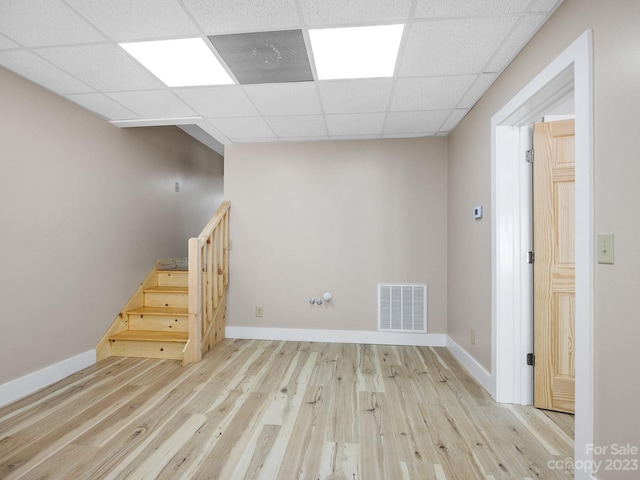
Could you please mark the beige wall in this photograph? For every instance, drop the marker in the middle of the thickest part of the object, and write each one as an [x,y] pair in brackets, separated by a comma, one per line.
[616,40]
[469,239]
[85,210]
[339,217]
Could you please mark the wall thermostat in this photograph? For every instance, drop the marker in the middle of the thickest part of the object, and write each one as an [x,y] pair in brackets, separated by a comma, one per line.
[477,211]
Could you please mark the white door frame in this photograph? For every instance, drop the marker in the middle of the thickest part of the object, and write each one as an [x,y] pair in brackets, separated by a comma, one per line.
[510,275]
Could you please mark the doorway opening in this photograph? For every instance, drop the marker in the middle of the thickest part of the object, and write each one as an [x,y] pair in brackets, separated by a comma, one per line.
[568,76]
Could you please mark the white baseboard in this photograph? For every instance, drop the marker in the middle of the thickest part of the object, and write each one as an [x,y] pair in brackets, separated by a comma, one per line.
[476,370]
[23,386]
[338,336]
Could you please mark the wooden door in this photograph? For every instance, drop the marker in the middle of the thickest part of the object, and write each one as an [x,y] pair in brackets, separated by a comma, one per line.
[554,265]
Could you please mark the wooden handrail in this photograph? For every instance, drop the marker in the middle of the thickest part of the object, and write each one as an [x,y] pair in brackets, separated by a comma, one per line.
[208,278]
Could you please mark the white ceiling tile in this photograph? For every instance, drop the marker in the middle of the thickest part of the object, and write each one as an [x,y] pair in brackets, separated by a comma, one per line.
[430,93]
[481,84]
[224,16]
[38,23]
[355,124]
[526,28]
[355,96]
[243,128]
[298,126]
[342,12]
[142,19]
[102,105]
[106,68]
[453,47]
[6,43]
[415,122]
[468,8]
[453,120]
[31,66]
[285,98]
[153,103]
[219,101]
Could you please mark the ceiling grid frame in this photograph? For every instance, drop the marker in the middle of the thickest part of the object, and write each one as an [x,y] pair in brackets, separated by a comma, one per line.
[89,31]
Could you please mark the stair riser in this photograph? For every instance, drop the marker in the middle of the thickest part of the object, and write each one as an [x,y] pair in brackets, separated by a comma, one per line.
[158,323]
[173,279]
[142,349]
[163,299]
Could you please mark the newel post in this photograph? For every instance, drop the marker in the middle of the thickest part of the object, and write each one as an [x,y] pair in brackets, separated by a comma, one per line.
[194,350]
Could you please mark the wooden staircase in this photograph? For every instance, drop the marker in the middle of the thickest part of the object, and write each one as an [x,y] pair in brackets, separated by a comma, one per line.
[178,311]
[160,327]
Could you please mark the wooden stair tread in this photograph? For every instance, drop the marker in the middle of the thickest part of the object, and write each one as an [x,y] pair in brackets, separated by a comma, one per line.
[167,289]
[150,336]
[165,311]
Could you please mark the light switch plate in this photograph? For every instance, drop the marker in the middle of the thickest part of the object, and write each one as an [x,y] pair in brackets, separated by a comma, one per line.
[605,248]
[477,211]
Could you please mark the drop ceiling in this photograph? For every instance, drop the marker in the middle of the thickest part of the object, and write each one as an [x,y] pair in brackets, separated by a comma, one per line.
[451,52]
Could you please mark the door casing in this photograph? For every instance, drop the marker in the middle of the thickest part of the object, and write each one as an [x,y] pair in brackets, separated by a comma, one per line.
[572,71]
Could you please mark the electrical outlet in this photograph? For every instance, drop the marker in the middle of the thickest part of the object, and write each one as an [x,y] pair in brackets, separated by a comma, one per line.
[472,337]
[259,312]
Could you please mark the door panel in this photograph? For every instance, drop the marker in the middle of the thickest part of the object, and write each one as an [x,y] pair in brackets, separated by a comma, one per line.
[554,268]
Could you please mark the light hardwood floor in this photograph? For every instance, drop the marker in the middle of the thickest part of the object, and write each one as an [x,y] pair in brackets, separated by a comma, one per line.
[279,410]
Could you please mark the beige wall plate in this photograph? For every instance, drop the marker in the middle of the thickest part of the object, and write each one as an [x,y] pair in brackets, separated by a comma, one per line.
[605,248]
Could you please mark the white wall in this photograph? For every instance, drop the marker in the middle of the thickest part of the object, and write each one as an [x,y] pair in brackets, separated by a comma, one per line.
[85,210]
[334,216]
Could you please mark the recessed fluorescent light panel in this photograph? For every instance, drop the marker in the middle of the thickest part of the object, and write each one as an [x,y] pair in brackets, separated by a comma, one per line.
[185,62]
[356,52]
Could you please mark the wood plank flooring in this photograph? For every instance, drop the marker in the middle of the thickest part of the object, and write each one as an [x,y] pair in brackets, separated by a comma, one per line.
[279,410]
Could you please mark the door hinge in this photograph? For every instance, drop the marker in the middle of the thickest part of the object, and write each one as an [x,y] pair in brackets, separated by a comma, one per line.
[529,156]
[531,257]
[531,359]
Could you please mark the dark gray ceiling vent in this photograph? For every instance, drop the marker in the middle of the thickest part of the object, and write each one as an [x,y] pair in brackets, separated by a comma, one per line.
[265,57]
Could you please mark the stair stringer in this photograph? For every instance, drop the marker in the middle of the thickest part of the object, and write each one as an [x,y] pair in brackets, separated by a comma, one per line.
[121,322]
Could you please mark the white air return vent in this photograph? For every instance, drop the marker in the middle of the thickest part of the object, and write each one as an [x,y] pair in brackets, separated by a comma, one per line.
[402,308]
[265,57]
